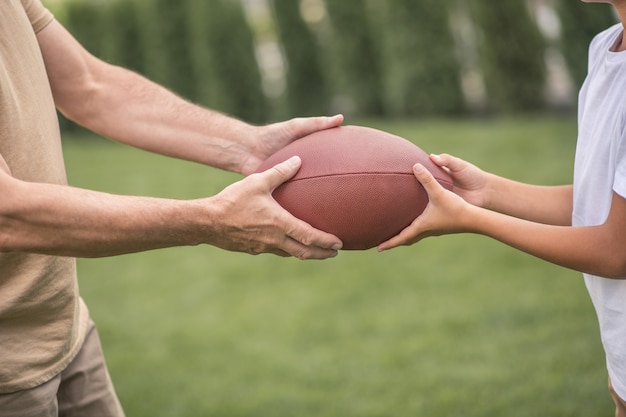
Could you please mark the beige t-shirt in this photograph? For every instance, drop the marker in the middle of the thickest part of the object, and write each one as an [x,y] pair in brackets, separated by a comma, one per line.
[42,319]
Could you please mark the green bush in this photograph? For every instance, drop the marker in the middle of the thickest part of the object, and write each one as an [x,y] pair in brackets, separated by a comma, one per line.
[580,23]
[512,55]
[307,90]
[84,21]
[422,72]
[228,74]
[356,57]
[165,38]
[122,45]
[367,58]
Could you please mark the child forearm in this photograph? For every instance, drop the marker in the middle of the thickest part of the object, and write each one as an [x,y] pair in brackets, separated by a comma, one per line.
[589,249]
[541,204]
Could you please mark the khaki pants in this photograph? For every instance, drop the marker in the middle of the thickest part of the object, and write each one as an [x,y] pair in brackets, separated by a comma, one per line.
[620,404]
[84,388]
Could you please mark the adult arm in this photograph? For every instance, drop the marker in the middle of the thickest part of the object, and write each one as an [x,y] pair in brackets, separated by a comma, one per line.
[129,108]
[67,221]
[124,106]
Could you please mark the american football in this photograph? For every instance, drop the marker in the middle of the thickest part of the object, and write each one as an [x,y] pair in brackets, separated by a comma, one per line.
[356,183]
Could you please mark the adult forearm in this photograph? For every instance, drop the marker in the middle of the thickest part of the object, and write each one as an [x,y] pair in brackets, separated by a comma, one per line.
[66,221]
[129,108]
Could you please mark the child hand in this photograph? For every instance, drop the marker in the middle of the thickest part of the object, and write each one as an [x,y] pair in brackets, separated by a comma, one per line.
[469,181]
[444,213]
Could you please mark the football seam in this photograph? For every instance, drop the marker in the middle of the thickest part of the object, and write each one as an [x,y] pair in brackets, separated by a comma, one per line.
[364,173]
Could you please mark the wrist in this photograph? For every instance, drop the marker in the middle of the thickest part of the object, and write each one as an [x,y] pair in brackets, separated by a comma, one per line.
[473,218]
[491,192]
[247,142]
[200,221]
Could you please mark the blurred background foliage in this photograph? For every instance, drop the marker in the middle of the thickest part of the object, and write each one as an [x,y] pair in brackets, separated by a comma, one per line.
[265,60]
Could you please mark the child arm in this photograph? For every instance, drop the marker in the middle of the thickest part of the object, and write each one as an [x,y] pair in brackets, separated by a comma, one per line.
[598,250]
[542,204]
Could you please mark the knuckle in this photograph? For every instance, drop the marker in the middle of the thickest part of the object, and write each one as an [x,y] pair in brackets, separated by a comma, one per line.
[307,239]
[302,255]
[255,251]
[280,169]
[253,180]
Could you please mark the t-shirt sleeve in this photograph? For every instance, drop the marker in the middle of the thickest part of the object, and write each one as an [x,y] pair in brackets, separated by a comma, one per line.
[38,15]
[619,183]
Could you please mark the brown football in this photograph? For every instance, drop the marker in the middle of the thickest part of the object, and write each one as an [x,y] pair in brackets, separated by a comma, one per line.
[356,183]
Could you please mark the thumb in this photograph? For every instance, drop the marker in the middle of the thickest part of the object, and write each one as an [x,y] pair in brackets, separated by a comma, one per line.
[425,178]
[282,172]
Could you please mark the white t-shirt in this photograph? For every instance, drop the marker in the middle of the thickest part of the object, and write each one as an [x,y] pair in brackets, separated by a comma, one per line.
[600,170]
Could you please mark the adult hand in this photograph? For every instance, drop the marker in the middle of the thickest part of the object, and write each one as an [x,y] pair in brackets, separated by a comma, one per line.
[271,138]
[251,221]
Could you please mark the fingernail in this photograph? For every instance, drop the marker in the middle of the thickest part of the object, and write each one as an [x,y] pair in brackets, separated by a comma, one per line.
[293,161]
[337,246]
[418,168]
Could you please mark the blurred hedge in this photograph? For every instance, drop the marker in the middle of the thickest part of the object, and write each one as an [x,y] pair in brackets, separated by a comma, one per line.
[422,71]
[581,22]
[397,58]
[512,54]
[356,58]
[307,84]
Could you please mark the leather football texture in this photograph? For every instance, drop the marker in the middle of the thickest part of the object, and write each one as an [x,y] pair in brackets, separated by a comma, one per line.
[356,183]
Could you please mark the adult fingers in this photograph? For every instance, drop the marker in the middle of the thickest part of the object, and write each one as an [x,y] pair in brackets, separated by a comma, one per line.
[306,242]
[301,239]
[303,126]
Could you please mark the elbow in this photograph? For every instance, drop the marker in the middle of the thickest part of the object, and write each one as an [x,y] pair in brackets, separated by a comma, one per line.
[13,235]
[614,267]
[8,236]
[619,272]
[78,105]
[82,100]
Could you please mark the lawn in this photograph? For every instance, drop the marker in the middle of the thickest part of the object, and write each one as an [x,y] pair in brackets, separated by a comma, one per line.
[455,326]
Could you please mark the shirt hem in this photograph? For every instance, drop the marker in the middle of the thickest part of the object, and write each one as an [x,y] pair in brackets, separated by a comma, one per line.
[47,375]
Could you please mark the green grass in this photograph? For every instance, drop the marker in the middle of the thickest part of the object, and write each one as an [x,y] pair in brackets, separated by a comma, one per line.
[455,326]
